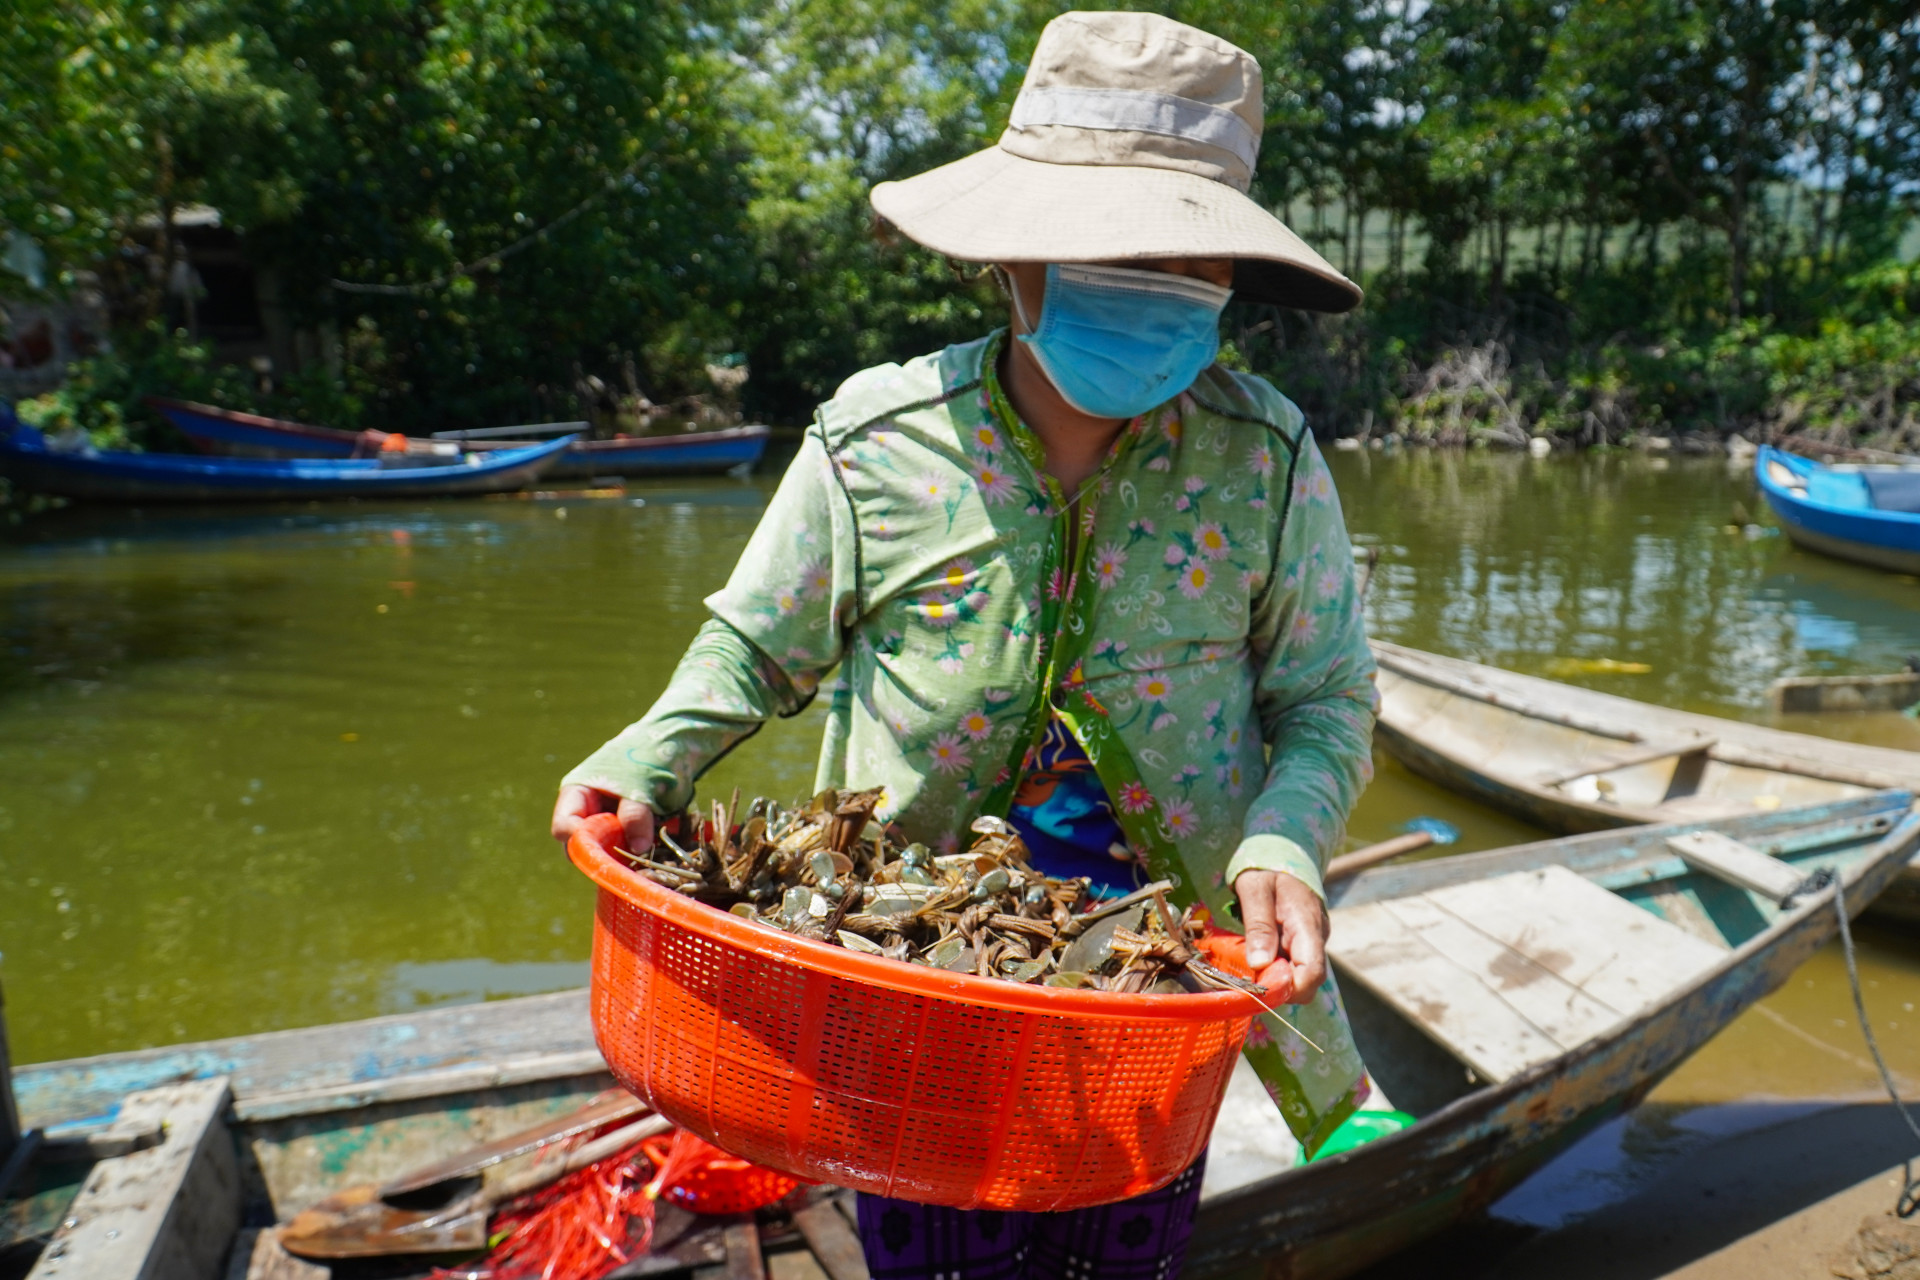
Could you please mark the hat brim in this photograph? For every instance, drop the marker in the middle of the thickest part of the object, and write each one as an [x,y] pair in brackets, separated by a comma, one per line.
[994,206]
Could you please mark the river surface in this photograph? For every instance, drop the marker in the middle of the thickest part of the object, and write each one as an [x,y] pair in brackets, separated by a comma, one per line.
[279,767]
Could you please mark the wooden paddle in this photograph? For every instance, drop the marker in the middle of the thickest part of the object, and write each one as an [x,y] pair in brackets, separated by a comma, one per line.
[444,1207]
[1352,864]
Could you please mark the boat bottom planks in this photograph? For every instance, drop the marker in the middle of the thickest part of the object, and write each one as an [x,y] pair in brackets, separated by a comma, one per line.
[1526,1047]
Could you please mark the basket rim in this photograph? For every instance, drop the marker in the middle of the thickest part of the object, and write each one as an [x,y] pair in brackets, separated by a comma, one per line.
[587,850]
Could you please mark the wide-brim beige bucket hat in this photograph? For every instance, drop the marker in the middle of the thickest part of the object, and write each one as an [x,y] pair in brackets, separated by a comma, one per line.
[1134,137]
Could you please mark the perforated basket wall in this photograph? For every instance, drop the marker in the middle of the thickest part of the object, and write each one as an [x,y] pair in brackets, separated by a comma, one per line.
[856,1070]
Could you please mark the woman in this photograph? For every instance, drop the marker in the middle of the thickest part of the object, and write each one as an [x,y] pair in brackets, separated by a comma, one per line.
[1074,573]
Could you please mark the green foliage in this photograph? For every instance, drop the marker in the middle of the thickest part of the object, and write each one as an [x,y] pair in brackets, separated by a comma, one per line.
[851,93]
[118,113]
[1579,216]
[104,395]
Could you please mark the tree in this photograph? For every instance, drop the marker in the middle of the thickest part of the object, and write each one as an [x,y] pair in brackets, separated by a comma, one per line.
[117,114]
[506,189]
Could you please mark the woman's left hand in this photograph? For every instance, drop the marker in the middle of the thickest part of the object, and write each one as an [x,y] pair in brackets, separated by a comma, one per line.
[1286,933]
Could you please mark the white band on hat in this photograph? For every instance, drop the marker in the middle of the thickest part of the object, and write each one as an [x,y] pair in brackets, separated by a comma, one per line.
[1137,110]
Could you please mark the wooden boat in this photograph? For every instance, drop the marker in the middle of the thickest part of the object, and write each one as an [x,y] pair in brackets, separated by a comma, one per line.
[1529,1047]
[226,432]
[691,453]
[1803,695]
[1515,999]
[1571,759]
[1868,513]
[170,477]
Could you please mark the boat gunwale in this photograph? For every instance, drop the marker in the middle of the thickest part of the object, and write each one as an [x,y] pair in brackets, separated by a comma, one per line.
[1758,829]
[338,435]
[1869,767]
[118,476]
[331,435]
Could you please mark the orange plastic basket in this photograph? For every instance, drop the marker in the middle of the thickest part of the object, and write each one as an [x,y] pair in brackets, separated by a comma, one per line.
[938,1087]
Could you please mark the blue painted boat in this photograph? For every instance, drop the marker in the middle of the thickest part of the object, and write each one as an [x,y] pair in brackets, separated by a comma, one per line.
[225,431]
[228,433]
[1868,514]
[692,453]
[95,476]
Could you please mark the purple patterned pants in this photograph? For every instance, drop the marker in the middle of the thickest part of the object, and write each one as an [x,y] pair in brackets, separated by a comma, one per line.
[1144,1238]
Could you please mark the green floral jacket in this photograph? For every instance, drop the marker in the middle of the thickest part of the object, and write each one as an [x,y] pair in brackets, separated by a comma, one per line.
[1204,642]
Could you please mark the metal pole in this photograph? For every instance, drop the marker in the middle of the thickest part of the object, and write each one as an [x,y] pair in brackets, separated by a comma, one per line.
[9,1113]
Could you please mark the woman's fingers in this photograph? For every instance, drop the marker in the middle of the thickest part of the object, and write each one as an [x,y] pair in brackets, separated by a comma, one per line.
[574,805]
[1277,978]
[637,819]
[1303,931]
[1286,933]
[1256,893]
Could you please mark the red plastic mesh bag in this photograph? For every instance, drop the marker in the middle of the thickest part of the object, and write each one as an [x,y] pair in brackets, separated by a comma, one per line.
[701,1178]
[590,1222]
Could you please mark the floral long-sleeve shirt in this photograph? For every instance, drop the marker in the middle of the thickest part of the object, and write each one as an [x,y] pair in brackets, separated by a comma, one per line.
[1201,637]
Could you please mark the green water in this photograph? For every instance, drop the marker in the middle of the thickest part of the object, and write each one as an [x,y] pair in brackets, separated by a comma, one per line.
[274,768]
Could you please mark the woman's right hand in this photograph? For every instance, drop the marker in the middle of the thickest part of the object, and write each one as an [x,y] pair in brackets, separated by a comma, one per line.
[577,803]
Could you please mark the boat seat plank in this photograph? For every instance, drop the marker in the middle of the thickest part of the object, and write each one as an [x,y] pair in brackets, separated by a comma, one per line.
[166,1212]
[834,1243]
[1707,808]
[1566,1014]
[1517,969]
[1739,864]
[1626,958]
[1453,1004]
[1646,754]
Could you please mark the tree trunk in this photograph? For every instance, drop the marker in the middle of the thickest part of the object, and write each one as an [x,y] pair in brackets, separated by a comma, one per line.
[1497,284]
[9,1113]
[1737,249]
[163,174]
[1359,243]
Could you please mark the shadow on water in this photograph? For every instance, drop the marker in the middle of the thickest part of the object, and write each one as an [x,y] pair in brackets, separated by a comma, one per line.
[61,629]
[1662,1187]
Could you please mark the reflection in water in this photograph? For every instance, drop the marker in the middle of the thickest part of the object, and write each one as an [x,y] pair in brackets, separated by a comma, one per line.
[1522,562]
[471,981]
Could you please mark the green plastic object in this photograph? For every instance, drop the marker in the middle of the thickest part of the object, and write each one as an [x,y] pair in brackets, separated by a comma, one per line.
[1361,1128]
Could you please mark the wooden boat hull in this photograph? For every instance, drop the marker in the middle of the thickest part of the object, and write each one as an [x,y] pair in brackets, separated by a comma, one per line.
[1491,734]
[226,432]
[160,478]
[318,1108]
[1335,1216]
[1457,776]
[321,1107]
[694,453]
[1883,539]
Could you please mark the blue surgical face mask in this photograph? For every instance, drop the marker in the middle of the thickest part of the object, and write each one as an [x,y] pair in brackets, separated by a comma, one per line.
[1116,341]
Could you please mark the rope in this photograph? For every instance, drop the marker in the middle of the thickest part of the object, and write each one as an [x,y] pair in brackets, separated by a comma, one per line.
[1825,878]
[498,255]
